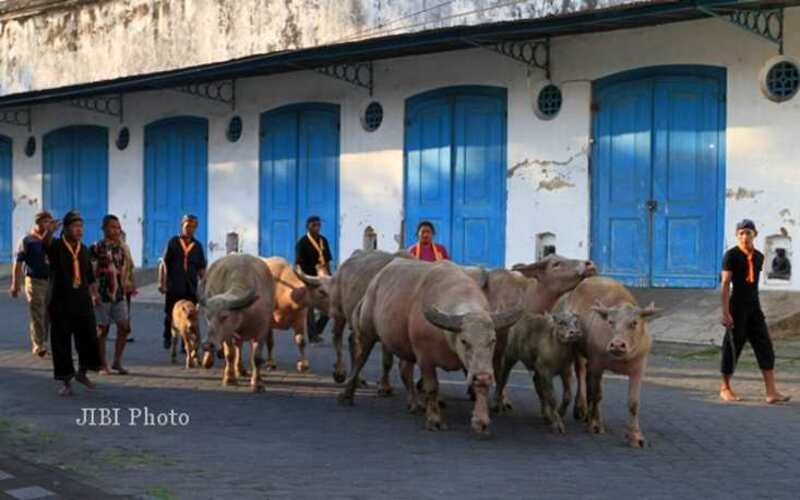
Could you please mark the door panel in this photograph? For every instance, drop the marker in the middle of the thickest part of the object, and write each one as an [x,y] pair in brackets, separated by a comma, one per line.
[299,176]
[6,202]
[428,169]
[456,171]
[657,184]
[622,183]
[75,168]
[685,182]
[176,180]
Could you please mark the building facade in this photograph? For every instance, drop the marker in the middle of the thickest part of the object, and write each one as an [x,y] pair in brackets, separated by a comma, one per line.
[643,139]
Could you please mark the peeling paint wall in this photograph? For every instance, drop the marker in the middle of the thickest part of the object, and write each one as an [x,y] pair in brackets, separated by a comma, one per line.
[548,161]
[47,43]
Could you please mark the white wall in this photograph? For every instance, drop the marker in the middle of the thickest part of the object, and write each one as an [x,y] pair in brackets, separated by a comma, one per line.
[548,187]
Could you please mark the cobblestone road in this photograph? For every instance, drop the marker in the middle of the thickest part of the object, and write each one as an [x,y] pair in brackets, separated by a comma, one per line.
[295,441]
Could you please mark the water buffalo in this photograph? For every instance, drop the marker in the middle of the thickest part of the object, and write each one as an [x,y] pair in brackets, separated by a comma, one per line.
[340,294]
[292,301]
[436,316]
[546,346]
[617,339]
[184,328]
[237,299]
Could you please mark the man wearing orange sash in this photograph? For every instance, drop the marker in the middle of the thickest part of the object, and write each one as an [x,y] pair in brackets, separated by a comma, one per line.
[313,255]
[182,265]
[425,248]
[742,316]
[72,296]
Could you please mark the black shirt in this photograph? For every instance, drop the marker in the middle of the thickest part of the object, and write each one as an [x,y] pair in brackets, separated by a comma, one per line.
[63,297]
[735,261]
[182,281]
[307,257]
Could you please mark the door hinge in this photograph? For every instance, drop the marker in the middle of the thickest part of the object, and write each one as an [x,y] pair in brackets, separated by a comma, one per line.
[652,205]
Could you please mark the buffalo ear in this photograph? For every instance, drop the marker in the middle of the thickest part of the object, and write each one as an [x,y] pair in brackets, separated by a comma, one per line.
[478,274]
[601,309]
[650,311]
[534,270]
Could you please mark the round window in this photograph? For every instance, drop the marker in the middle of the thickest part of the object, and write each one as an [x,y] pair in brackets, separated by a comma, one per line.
[780,79]
[373,116]
[234,131]
[123,138]
[30,147]
[548,103]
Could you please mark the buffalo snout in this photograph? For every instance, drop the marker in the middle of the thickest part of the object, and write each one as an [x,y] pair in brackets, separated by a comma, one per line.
[589,269]
[618,347]
[484,379]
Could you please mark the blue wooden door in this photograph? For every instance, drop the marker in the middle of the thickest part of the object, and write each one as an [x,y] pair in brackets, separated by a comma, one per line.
[456,169]
[685,181]
[6,201]
[299,176]
[657,178]
[176,180]
[75,167]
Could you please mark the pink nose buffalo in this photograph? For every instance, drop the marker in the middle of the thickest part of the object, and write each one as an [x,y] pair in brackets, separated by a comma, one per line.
[617,347]
[484,379]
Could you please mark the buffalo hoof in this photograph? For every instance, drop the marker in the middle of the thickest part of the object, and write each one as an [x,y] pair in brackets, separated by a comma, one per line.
[558,428]
[579,413]
[636,439]
[503,408]
[255,389]
[385,391]
[345,399]
[230,382]
[415,409]
[435,425]
[339,377]
[480,429]
[270,365]
[302,366]
[596,428]
[173,360]
[363,383]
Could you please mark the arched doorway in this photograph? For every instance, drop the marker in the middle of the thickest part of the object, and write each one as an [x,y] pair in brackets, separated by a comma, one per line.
[75,168]
[299,176]
[455,170]
[658,169]
[176,180]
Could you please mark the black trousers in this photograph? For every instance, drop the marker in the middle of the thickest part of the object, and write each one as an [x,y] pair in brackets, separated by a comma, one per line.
[169,304]
[64,327]
[749,325]
[315,323]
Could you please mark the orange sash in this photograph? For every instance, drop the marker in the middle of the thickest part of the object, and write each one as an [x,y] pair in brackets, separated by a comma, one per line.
[751,272]
[320,248]
[417,251]
[186,249]
[76,265]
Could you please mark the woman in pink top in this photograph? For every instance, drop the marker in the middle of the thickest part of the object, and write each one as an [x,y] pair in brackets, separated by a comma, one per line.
[425,248]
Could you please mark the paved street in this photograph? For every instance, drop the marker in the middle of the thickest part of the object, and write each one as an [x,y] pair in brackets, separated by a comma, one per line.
[296,441]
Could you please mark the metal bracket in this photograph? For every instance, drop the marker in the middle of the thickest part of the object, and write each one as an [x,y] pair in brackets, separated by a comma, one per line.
[358,74]
[764,23]
[532,53]
[107,105]
[16,117]
[220,91]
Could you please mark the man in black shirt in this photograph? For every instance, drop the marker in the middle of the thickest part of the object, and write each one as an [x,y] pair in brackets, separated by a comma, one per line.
[313,255]
[73,294]
[182,265]
[742,316]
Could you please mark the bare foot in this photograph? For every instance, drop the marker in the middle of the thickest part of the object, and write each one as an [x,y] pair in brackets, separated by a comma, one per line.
[777,398]
[119,369]
[104,370]
[728,395]
[81,378]
[66,390]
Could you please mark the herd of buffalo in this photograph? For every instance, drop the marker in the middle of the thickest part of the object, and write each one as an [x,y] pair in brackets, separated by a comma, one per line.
[556,316]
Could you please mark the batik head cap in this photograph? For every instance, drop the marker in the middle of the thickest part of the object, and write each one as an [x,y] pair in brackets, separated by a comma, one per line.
[746,224]
[71,217]
[42,216]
